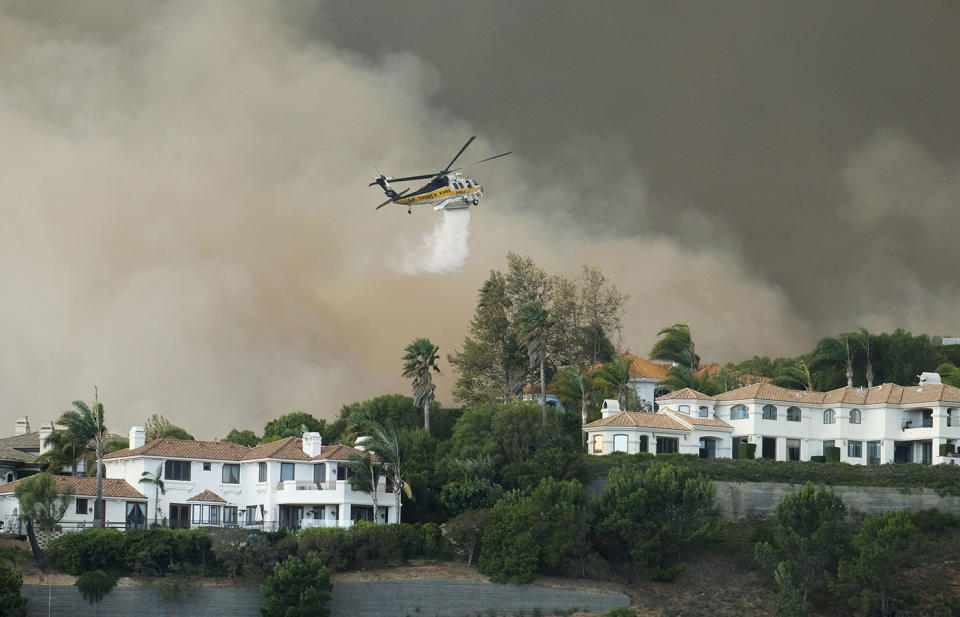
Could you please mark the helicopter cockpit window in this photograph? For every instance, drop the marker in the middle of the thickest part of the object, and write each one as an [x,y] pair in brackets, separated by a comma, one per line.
[469,184]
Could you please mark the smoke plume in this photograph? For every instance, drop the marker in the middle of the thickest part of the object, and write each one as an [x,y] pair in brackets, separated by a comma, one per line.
[186,220]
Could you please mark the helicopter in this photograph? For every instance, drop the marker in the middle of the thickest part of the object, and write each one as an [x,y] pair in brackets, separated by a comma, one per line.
[447,190]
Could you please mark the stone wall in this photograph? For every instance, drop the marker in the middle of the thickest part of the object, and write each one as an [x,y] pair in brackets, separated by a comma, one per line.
[741,499]
[395,598]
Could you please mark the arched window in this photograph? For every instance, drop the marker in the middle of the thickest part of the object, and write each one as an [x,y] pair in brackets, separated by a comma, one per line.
[854,416]
[619,443]
[704,411]
[829,416]
[685,409]
[739,412]
[769,412]
[598,444]
[793,414]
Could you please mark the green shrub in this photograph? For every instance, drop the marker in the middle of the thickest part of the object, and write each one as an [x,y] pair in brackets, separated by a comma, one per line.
[146,552]
[95,584]
[934,521]
[747,451]
[90,549]
[831,454]
[621,611]
[12,602]
[334,547]
[297,588]
[818,459]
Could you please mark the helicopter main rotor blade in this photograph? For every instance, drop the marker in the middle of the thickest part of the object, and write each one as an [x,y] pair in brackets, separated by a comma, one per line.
[393,199]
[421,177]
[450,164]
[490,158]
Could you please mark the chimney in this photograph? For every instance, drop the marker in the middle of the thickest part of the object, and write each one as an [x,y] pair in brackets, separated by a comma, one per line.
[138,437]
[610,407]
[45,431]
[22,427]
[311,444]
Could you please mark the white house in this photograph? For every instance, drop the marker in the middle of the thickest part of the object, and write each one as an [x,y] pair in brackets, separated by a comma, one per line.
[124,505]
[666,431]
[290,483]
[883,424]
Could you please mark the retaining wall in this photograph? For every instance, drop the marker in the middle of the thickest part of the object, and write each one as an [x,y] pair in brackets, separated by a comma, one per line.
[416,598]
[741,499]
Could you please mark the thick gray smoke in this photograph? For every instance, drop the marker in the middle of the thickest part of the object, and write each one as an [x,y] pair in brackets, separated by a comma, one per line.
[186,220]
[442,250]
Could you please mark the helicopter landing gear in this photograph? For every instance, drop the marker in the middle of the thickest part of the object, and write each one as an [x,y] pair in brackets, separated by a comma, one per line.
[409,211]
[476,202]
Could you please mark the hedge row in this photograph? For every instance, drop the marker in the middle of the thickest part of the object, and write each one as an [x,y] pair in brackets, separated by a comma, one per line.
[944,478]
[233,552]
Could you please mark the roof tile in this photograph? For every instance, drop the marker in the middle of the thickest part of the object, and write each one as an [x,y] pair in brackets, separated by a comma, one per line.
[87,487]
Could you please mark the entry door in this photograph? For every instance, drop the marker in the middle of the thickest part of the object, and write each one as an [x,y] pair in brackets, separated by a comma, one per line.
[179,516]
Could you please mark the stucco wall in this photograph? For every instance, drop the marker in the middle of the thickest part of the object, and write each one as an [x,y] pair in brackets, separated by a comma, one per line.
[427,597]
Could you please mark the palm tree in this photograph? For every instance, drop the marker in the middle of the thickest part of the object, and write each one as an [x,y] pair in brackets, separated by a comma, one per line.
[385,443]
[794,377]
[63,452]
[419,359]
[680,377]
[156,479]
[365,474]
[866,348]
[613,378]
[676,346]
[533,324]
[572,385]
[85,423]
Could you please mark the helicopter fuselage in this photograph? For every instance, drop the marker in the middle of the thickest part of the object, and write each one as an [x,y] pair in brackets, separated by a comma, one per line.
[449,192]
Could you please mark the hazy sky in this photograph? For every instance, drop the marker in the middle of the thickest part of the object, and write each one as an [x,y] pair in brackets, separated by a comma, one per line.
[186,221]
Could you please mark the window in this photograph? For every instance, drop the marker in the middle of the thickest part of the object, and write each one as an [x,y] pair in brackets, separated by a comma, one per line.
[252,514]
[854,416]
[231,473]
[203,514]
[855,449]
[81,506]
[343,472]
[206,466]
[873,453]
[735,453]
[793,414]
[619,443]
[262,472]
[176,470]
[320,472]
[667,445]
[769,412]
[704,412]
[739,412]
[230,515]
[685,409]
[136,515]
[793,449]
[829,416]
[286,471]
[598,444]
[644,443]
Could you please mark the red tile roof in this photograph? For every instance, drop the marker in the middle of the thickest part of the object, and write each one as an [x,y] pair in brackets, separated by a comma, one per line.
[87,487]
[208,496]
[888,393]
[686,394]
[697,420]
[641,420]
[181,448]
